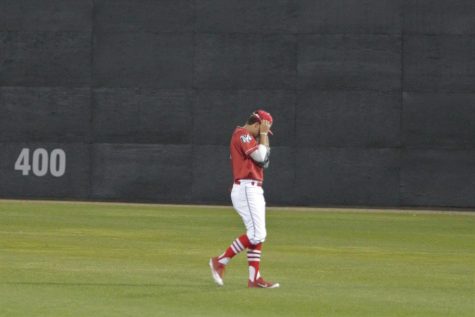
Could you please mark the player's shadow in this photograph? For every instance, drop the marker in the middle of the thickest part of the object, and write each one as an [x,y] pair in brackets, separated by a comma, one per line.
[174,288]
[95,284]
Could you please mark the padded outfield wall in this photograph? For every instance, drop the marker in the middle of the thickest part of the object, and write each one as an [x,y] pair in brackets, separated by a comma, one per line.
[135,100]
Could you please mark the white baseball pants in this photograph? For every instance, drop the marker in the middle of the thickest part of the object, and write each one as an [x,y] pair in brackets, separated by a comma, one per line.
[248,200]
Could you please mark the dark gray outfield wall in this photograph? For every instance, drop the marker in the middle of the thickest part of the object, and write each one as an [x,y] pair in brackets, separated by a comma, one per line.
[374,101]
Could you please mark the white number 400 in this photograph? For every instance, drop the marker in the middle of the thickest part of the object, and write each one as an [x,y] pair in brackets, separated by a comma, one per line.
[39,162]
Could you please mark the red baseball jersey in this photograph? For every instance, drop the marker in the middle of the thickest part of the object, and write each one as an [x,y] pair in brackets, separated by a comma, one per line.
[242,145]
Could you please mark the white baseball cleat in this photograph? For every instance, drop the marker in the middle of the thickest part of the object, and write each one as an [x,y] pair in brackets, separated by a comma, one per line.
[217,271]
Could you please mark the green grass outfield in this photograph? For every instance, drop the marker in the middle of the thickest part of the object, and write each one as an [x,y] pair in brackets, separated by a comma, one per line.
[81,259]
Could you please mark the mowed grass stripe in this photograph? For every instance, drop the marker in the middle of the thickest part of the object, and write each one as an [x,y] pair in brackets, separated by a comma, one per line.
[67,259]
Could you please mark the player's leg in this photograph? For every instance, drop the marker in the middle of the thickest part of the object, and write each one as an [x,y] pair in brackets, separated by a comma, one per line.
[254,259]
[255,219]
[237,246]
[241,243]
[257,205]
[218,264]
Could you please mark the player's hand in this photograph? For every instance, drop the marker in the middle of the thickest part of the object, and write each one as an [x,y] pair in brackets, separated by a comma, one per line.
[265,126]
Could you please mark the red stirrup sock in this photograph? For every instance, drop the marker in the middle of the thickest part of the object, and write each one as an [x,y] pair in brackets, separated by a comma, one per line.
[254,259]
[238,245]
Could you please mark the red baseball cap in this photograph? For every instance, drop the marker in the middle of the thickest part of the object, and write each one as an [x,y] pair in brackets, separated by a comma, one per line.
[263,115]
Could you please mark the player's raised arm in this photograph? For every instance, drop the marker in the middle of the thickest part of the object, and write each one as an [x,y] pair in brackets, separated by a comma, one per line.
[261,155]
[264,133]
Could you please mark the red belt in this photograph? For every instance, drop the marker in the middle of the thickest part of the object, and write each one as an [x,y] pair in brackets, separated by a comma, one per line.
[257,183]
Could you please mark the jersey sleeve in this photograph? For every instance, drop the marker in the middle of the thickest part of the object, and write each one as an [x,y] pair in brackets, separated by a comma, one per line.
[247,143]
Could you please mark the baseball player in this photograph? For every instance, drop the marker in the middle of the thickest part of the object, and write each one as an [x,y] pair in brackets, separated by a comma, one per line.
[249,157]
